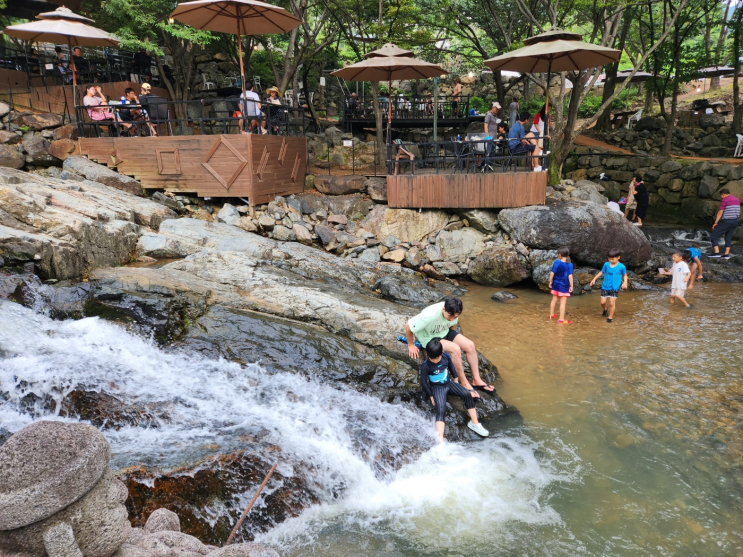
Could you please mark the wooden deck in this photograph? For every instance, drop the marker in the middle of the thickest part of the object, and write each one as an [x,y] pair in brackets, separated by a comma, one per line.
[467,191]
[257,167]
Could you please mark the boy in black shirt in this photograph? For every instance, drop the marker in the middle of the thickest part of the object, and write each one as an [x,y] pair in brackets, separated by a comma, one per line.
[437,374]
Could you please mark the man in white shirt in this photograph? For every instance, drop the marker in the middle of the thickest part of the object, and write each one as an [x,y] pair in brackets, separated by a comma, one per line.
[252,105]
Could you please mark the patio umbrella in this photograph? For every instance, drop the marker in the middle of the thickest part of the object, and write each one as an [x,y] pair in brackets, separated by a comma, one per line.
[386,68]
[63,26]
[556,50]
[241,17]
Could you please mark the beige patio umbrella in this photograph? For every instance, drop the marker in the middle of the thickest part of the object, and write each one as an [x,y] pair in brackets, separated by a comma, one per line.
[63,26]
[556,50]
[241,17]
[382,67]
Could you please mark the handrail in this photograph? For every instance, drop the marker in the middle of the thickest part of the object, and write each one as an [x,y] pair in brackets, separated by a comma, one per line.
[467,155]
[208,116]
[410,107]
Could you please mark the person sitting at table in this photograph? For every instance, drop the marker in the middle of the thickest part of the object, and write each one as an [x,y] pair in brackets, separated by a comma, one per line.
[353,105]
[520,142]
[273,102]
[145,91]
[404,153]
[131,114]
[474,111]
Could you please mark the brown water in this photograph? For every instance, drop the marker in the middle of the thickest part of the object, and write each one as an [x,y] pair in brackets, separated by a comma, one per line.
[650,405]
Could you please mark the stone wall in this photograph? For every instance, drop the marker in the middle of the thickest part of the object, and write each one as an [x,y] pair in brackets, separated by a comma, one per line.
[681,191]
[709,136]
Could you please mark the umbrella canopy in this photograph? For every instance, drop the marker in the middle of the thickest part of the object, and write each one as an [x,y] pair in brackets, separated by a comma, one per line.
[67,31]
[390,49]
[553,35]
[64,13]
[241,17]
[388,68]
[555,55]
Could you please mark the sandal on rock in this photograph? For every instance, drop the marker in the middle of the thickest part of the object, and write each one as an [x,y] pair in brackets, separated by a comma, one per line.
[484,388]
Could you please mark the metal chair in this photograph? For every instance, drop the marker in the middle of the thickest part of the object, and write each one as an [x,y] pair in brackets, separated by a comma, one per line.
[207,84]
[634,118]
[739,146]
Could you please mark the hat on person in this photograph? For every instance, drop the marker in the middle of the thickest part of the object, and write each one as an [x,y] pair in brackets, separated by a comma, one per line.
[497,105]
[146,87]
[275,89]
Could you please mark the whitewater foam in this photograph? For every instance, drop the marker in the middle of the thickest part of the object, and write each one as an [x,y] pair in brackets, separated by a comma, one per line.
[352,443]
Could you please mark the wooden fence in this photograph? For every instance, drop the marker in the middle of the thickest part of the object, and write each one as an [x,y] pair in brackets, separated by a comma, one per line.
[258,167]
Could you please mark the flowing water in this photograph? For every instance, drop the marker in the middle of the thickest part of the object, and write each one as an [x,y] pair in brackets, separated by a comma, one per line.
[628,440]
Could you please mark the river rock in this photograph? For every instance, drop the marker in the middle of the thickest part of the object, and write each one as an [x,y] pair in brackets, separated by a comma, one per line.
[338,219]
[162,519]
[458,245]
[302,234]
[406,224]
[244,550]
[11,157]
[62,148]
[587,229]
[228,214]
[325,233]
[39,122]
[283,234]
[339,185]
[484,220]
[99,173]
[4,109]
[62,493]
[395,256]
[503,296]
[413,257]
[9,138]
[498,266]
[68,131]
[376,188]
[37,152]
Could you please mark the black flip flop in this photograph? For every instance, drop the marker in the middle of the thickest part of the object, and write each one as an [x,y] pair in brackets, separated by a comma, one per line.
[483,389]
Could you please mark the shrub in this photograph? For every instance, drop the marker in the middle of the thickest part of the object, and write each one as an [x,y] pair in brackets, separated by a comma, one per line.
[589,106]
[479,103]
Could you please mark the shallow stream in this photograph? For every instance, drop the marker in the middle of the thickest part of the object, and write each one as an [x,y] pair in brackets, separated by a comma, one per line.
[628,439]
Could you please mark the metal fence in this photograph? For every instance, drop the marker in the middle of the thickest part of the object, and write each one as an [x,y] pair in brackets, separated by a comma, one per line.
[159,116]
[407,108]
[471,154]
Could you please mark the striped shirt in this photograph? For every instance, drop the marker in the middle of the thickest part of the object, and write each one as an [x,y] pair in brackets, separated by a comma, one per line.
[730,208]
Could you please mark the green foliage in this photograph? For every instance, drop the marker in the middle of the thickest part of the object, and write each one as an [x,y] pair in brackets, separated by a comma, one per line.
[589,106]
[479,103]
[531,105]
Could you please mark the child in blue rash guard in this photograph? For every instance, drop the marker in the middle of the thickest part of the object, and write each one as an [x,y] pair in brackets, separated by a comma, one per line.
[437,380]
[694,261]
[615,278]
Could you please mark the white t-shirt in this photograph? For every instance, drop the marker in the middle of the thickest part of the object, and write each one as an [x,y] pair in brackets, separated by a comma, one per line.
[614,206]
[680,270]
[252,107]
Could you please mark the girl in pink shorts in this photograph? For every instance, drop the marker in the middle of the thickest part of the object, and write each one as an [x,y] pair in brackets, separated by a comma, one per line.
[561,283]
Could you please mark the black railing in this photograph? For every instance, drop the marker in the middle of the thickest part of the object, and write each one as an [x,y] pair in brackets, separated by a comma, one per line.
[94,66]
[155,115]
[471,154]
[407,108]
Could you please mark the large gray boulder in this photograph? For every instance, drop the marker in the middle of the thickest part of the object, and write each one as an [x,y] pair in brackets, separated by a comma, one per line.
[58,495]
[407,224]
[339,185]
[458,245]
[228,214]
[104,175]
[38,122]
[484,220]
[587,229]
[498,266]
[244,550]
[41,478]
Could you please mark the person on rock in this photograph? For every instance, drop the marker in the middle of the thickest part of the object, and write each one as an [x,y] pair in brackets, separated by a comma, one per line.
[615,279]
[439,321]
[561,284]
[437,381]
[642,199]
[693,258]
[726,221]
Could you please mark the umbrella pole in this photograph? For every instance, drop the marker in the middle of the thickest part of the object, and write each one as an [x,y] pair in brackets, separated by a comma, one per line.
[74,78]
[545,140]
[389,121]
[243,96]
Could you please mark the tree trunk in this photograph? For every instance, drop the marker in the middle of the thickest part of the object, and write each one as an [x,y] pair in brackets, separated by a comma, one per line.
[604,121]
[714,83]
[649,99]
[315,119]
[671,120]
[381,150]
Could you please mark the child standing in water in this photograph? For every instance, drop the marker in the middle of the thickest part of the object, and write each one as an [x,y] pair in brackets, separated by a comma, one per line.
[437,380]
[694,261]
[561,284]
[681,274]
[615,278]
